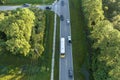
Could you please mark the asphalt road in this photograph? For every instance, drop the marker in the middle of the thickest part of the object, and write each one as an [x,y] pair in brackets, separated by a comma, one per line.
[4,8]
[65,30]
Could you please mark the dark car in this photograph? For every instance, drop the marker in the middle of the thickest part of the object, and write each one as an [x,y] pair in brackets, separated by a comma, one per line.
[61,17]
[48,8]
[62,3]
[70,73]
[26,5]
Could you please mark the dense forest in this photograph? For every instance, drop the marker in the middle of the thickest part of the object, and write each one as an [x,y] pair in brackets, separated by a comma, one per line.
[22,32]
[103,21]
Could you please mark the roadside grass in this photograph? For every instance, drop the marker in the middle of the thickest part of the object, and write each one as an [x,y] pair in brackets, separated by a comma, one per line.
[21,68]
[56,68]
[14,2]
[79,41]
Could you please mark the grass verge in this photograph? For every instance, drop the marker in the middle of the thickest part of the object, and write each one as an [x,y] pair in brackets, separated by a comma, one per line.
[56,72]
[78,40]
[14,2]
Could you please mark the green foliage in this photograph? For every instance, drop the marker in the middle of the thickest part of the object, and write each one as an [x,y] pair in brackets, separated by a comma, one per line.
[22,32]
[113,8]
[113,12]
[17,31]
[92,11]
[2,1]
[116,22]
[2,16]
[18,46]
[38,32]
[105,38]
[102,29]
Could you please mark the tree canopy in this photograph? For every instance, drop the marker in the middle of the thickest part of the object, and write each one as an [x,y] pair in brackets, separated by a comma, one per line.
[107,41]
[104,36]
[18,29]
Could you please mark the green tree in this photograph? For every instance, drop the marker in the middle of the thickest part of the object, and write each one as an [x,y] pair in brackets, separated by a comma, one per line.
[2,1]
[2,16]
[16,29]
[92,11]
[116,22]
[18,46]
[106,40]
[22,32]
[37,36]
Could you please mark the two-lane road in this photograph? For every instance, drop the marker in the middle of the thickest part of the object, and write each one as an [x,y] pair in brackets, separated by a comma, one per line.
[65,31]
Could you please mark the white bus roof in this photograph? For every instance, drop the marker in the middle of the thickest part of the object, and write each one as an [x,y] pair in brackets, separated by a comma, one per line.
[62,46]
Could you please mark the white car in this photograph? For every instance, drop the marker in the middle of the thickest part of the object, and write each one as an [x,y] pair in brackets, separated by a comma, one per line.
[68,21]
[69,39]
